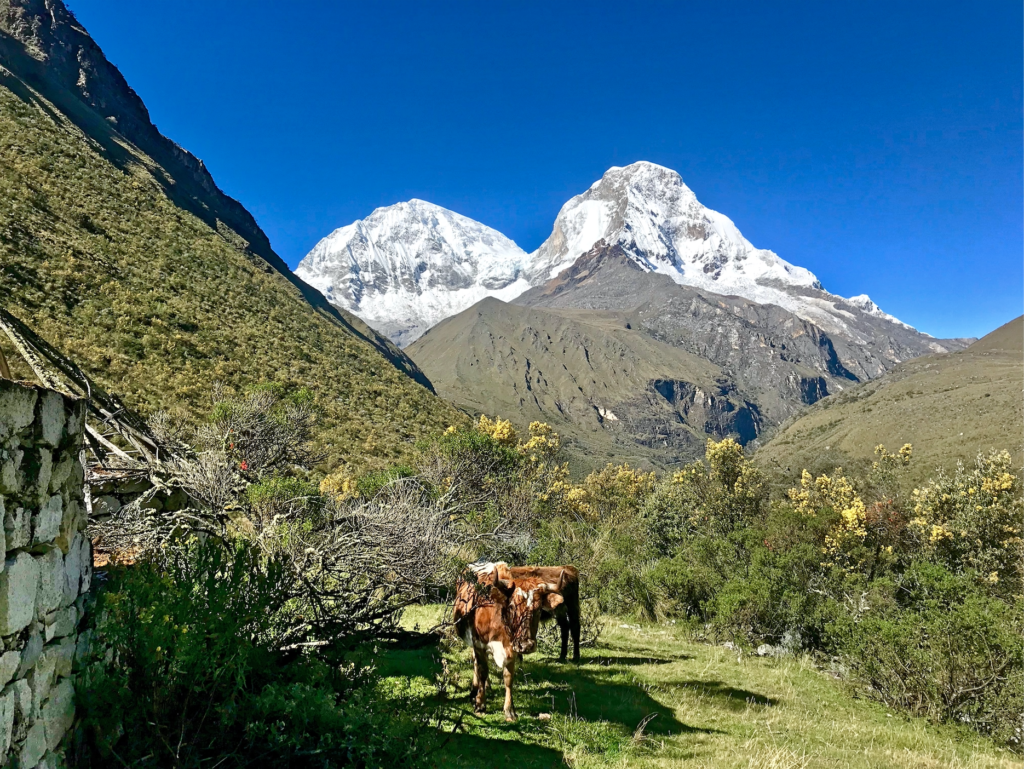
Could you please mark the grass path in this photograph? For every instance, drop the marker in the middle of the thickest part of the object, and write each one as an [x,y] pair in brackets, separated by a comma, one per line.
[703,706]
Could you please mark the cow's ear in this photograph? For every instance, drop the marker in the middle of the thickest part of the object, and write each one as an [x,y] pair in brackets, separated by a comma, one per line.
[553,600]
[506,587]
[498,597]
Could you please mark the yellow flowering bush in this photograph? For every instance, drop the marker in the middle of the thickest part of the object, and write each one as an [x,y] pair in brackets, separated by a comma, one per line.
[501,430]
[836,493]
[713,497]
[973,520]
[339,486]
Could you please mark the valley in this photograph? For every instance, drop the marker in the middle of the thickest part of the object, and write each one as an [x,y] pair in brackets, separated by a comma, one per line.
[262,517]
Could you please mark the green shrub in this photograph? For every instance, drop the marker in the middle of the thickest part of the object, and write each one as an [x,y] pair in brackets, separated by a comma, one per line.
[932,642]
[370,484]
[201,670]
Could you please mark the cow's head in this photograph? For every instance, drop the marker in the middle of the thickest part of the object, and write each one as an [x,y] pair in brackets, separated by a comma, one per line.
[522,608]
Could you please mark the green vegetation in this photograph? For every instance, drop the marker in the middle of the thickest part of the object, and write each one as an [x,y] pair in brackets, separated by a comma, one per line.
[200,677]
[950,407]
[911,600]
[156,305]
[649,696]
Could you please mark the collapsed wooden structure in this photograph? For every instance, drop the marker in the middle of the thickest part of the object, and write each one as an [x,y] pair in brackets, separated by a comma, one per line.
[113,431]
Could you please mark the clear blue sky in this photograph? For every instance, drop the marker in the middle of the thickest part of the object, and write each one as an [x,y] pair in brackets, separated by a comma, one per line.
[878,144]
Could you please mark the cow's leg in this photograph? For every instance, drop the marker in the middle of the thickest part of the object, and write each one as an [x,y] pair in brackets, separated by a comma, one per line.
[563,626]
[574,627]
[508,674]
[476,675]
[479,691]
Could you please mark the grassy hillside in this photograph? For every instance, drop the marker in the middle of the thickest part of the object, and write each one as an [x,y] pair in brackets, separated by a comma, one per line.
[948,406]
[611,392]
[707,707]
[99,258]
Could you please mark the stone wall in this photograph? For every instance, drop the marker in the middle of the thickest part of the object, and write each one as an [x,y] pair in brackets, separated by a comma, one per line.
[46,571]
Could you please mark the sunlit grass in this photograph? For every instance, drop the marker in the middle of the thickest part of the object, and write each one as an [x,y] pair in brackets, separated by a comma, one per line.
[698,705]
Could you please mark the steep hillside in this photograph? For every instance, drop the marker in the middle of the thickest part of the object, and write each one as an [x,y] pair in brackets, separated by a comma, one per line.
[612,392]
[950,406]
[117,246]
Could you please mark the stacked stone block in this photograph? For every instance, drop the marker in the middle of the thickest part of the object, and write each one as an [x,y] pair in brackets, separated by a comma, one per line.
[45,572]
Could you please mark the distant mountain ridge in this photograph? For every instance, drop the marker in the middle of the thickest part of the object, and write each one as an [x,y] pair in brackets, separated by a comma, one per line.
[628,364]
[644,208]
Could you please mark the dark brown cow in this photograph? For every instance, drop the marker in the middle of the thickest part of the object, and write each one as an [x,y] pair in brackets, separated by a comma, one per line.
[567,615]
[499,616]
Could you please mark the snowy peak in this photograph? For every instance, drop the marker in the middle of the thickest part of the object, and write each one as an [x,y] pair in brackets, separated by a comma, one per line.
[408,266]
[658,220]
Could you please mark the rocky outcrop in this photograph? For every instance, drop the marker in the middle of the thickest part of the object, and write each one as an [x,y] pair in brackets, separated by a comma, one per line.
[46,571]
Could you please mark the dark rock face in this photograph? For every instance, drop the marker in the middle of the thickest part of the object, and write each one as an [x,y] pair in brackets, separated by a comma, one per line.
[786,362]
[713,413]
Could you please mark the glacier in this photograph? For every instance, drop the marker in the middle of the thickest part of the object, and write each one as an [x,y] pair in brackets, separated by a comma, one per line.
[409,266]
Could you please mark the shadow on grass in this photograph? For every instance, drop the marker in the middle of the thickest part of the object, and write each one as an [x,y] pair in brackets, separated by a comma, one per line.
[595,693]
[473,750]
[631,661]
[733,698]
[596,705]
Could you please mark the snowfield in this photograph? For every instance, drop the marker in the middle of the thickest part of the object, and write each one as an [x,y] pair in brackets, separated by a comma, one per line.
[409,266]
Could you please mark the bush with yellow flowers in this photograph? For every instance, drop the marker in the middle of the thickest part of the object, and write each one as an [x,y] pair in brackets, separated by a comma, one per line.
[972,521]
[833,494]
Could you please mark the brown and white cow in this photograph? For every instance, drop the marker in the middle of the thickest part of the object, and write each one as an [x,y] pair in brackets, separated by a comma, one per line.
[499,616]
[567,614]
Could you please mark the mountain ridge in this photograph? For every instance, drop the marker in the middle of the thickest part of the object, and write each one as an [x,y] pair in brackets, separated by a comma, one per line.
[643,207]
[133,268]
[949,406]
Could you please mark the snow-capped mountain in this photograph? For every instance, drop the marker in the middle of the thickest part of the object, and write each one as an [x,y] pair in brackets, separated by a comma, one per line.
[408,266]
[658,221]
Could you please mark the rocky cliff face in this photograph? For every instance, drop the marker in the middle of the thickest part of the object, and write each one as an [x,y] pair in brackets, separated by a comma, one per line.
[779,358]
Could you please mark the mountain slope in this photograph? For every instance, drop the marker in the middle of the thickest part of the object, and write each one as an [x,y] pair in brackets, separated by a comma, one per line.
[949,406]
[610,391]
[408,266]
[152,279]
[607,336]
